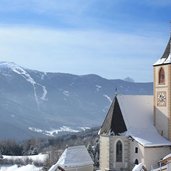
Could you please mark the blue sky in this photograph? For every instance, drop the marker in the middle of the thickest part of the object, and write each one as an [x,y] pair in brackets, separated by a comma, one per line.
[111,38]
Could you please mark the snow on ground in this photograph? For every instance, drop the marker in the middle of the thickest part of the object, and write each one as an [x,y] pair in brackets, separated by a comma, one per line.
[43,75]
[36,130]
[28,78]
[108,98]
[84,128]
[98,87]
[44,93]
[61,129]
[105,109]
[38,158]
[22,168]
[54,132]
[23,73]
[66,93]
[35,158]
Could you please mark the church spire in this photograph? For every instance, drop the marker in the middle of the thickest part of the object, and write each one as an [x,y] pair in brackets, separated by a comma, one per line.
[167,50]
[166,57]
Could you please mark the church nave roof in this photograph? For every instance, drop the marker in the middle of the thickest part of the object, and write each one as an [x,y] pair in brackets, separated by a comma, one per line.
[135,120]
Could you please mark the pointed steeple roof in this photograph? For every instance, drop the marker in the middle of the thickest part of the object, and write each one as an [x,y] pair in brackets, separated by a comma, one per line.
[167,50]
[114,122]
[166,57]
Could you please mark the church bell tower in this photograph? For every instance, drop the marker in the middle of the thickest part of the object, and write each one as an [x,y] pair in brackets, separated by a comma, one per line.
[162,93]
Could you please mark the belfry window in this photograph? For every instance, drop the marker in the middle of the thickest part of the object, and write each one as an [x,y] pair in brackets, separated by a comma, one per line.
[119,150]
[161,76]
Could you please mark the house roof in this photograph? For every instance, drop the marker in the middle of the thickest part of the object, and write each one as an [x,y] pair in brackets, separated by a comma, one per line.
[166,57]
[75,156]
[114,122]
[137,113]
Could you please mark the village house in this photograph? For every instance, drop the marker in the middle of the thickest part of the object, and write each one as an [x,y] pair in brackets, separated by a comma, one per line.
[75,158]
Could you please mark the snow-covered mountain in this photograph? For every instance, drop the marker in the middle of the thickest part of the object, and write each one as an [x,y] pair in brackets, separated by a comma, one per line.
[34,103]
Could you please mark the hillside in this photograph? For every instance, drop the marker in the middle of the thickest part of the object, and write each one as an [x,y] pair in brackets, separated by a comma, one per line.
[34,103]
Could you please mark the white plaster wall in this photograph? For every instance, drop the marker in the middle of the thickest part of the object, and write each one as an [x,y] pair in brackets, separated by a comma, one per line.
[153,155]
[104,152]
[133,156]
[147,156]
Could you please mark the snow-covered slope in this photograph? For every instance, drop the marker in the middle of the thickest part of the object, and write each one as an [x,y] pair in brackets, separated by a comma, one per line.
[34,103]
[28,167]
[41,158]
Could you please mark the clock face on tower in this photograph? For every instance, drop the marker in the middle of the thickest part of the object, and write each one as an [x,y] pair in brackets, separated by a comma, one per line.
[161,98]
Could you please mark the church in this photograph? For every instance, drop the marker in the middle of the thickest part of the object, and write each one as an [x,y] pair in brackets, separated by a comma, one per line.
[137,128]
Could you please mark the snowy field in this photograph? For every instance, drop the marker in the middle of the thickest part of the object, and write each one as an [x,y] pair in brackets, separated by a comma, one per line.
[22,168]
[35,158]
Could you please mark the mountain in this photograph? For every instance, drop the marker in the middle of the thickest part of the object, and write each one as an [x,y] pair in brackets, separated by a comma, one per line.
[128,79]
[35,104]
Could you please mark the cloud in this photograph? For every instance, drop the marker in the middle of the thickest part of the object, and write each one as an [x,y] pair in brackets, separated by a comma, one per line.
[85,14]
[109,54]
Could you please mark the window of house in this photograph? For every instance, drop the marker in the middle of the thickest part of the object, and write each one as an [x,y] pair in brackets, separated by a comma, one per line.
[161,76]
[136,149]
[119,150]
[136,161]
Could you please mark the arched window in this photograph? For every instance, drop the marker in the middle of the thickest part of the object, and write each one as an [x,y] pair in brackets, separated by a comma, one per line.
[161,76]
[119,150]
[136,161]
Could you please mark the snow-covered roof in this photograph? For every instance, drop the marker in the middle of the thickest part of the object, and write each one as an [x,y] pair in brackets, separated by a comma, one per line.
[138,167]
[137,113]
[166,58]
[75,156]
[166,157]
